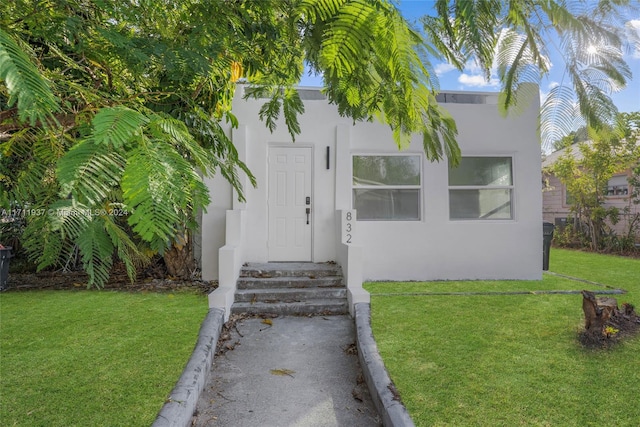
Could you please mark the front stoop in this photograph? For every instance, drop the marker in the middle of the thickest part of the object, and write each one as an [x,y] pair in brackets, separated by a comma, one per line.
[290,288]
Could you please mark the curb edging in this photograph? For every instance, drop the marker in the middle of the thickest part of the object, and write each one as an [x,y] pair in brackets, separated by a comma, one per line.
[381,388]
[181,403]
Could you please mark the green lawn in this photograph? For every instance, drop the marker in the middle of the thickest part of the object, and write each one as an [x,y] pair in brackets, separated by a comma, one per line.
[509,360]
[92,358]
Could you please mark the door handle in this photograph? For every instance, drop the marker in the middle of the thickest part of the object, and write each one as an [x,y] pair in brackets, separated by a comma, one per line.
[308,213]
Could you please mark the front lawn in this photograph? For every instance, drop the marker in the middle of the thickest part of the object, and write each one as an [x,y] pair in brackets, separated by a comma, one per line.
[463,360]
[92,358]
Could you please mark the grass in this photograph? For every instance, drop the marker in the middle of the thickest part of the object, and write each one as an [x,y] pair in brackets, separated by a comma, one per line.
[509,360]
[89,358]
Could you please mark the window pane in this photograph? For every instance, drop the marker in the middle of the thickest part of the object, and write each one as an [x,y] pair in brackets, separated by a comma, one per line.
[618,186]
[568,198]
[386,170]
[482,171]
[480,204]
[378,204]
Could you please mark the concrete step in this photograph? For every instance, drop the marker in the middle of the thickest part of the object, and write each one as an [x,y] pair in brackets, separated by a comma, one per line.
[326,307]
[289,288]
[289,294]
[280,282]
[290,269]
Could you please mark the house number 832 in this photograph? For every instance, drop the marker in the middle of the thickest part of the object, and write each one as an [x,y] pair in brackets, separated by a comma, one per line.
[348,227]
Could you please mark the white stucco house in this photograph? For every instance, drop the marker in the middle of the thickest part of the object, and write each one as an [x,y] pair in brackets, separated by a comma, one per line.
[343,192]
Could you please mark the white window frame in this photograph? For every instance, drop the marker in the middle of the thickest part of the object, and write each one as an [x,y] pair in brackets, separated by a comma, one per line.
[418,187]
[510,187]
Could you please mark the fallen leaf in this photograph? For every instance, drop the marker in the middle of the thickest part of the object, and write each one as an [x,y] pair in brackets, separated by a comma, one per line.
[394,392]
[351,349]
[267,322]
[282,372]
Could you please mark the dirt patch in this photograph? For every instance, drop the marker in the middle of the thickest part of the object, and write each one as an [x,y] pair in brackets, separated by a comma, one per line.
[150,280]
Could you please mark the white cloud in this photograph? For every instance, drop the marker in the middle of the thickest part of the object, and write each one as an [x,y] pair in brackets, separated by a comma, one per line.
[477,80]
[443,68]
[473,67]
[473,76]
[633,33]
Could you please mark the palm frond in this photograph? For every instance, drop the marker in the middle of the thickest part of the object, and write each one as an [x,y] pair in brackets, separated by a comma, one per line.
[114,126]
[148,185]
[292,106]
[176,132]
[44,245]
[159,188]
[592,45]
[89,171]
[373,67]
[348,36]
[126,250]
[26,85]
[518,63]
[475,24]
[441,125]
[559,115]
[69,217]
[30,156]
[96,251]
[223,154]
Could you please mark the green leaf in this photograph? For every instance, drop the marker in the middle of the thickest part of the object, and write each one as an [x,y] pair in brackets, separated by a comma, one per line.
[292,106]
[115,126]
[44,245]
[160,188]
[26,85]
[89,172]
[126,249]
[96,250]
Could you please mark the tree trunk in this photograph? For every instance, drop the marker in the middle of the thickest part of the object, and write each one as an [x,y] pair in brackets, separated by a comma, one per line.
[593,233]
[179,258]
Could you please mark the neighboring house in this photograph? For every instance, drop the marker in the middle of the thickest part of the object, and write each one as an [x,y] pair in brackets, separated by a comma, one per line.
[343,192]
[556,201]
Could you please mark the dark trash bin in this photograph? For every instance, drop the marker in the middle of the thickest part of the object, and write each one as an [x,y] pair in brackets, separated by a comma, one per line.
[547,234]
[5,255]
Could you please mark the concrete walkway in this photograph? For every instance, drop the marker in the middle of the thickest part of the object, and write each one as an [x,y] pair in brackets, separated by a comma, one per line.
[299,371]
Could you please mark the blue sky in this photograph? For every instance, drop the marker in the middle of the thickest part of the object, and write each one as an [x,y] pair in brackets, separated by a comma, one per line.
[471,79]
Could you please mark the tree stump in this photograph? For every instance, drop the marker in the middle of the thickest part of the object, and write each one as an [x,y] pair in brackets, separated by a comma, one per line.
[597,311]
[605,324]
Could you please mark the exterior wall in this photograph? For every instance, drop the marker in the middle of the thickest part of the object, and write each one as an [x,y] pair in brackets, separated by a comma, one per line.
[213,225]
[438,248]
[432,248]
[554,205]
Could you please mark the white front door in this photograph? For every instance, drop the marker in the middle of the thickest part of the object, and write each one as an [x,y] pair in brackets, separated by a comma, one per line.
[290,213]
